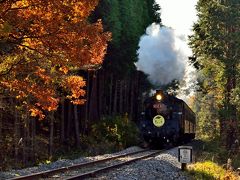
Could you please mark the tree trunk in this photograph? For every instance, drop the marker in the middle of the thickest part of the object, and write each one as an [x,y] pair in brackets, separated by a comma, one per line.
[231,119]
[62,136]
[76,123]
[110,94]
[51,135]
[24,143]
[101,93]
[16,137]
[26,140]
[115,98]
[69,121]
[132,101]
[93,105]
[121,97]
[33,137]
[85,129]
[126,98]
[1,118]
[137,99]
[231,122]
[1,124]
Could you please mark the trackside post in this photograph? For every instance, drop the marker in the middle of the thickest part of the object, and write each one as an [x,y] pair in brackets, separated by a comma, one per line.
[184,156]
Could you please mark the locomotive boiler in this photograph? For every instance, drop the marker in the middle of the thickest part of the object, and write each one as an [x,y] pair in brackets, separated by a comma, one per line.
[167,119]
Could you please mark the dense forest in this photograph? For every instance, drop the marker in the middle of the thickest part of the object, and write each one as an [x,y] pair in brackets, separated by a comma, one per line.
[216,45]
[57,93]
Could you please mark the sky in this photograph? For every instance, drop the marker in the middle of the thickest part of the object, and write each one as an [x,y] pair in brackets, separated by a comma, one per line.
[178,14]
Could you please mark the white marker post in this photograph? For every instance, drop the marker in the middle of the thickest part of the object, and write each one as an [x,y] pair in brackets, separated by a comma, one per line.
[184,156]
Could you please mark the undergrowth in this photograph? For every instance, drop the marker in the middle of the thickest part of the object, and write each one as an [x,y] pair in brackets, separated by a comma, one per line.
[109,135]
[212,163]
[117,130]
[209,170]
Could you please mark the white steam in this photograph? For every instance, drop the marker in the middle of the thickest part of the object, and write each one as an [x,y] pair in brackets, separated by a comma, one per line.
[160,55]
[163,56]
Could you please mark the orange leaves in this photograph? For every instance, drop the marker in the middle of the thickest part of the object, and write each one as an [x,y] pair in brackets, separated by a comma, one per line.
[37,98]
[75,85]
[99,44]
[37,113]
[58,28]
[64,69]
[82,9]
[49,38]
[42,74]
[45,97]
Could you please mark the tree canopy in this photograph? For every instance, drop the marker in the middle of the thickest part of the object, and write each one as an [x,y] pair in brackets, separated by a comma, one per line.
[40,41]
[127,20]
[216,44]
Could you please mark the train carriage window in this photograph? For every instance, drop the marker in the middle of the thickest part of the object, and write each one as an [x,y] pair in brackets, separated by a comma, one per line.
[190,127]
[186,129]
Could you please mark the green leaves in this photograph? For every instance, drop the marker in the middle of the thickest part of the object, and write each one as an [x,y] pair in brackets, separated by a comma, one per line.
[127,20]
[216,43]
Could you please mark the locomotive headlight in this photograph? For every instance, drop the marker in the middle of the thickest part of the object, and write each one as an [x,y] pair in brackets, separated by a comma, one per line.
[158,97]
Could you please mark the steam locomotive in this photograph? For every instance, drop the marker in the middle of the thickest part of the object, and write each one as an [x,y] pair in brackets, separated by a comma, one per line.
[167,119]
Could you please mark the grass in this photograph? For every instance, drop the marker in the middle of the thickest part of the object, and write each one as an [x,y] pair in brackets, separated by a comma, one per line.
[209,170]
[211,163]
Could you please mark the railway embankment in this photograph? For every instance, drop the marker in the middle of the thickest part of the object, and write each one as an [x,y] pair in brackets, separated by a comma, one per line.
[164,165]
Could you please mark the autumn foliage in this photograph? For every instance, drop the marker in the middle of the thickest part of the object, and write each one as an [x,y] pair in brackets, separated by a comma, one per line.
[40,43]
[75,84]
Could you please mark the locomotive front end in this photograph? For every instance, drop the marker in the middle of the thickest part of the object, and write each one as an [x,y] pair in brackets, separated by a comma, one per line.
[157,122]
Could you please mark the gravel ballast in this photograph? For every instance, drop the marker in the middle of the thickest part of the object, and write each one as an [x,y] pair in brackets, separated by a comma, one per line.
[163,166]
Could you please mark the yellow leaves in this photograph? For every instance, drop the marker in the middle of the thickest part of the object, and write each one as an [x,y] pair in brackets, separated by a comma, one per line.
[6,63]
[207,169]
[22,3]
[33,44]
[48,161]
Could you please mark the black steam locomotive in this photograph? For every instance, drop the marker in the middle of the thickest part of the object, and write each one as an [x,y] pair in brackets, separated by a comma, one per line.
[167,119]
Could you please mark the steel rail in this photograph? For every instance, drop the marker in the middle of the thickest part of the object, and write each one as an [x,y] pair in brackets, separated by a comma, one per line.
[44,174]
[110,167]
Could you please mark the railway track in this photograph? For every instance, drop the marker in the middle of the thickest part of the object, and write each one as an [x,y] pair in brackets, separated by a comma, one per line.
[90,169]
